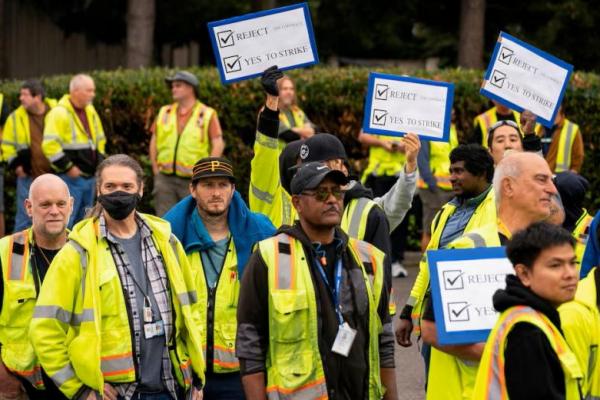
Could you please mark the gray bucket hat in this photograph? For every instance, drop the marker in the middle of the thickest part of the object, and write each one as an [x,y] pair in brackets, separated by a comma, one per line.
[184,76]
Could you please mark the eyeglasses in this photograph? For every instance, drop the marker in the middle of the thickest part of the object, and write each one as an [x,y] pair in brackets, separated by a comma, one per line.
[502,123]
[323,194]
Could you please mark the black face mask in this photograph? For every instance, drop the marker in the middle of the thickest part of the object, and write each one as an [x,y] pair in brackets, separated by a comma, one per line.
[119,204]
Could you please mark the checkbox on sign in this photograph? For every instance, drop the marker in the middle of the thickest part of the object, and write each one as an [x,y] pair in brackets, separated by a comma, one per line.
[232,64]
[453,280]
[225,38]
[458,311]
[379,117]
[381,91]
[498,79]
[505,55]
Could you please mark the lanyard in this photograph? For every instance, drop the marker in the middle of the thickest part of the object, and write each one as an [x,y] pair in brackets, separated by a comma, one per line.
[334,290]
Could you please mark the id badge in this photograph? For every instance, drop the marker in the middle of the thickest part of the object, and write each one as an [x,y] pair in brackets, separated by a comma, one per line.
[154,329]
[147,314]
[343,340]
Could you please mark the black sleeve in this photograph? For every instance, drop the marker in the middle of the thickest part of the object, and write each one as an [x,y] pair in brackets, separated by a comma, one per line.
[268,122]
[428,314]
[377,233]
[532,142]
[289,136]
[531,367]
[252,341]
[386,338]
[4,113]
[475,135]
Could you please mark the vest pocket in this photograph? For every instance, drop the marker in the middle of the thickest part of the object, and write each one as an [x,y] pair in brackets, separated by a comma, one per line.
[21,302]
[290,322]
[295,369]
[227,331]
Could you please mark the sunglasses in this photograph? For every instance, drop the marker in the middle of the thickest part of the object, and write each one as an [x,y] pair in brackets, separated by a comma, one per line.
[502,123]
[323,194]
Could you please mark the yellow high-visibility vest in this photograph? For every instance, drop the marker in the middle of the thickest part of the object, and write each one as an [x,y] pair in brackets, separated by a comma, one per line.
[581,234]
[294,365]
[383,162]
[177,153]
[491,381]
[439,161]
[489,118]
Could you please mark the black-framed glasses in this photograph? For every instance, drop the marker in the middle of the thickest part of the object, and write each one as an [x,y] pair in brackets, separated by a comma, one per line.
[322,194]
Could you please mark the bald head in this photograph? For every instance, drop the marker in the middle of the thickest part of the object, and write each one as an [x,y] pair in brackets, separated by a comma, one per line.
[49,205]
[523,183]
[82,90]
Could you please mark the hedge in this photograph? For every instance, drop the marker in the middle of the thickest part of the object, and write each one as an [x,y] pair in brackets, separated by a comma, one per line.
[128,100]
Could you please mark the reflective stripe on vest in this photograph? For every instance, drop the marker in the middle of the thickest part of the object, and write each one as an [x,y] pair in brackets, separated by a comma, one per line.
[311,391]
[565,146]
[354,220]
[285,264]
[117,364]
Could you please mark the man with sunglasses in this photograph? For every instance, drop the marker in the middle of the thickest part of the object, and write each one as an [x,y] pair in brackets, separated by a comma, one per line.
[311,304]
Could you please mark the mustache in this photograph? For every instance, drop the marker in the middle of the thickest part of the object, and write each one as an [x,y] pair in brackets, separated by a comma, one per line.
[332,208]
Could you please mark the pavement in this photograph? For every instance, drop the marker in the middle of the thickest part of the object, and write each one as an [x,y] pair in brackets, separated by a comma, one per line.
[409,363]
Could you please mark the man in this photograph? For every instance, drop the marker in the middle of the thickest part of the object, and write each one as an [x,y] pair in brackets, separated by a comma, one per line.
[434,186]
[4,111]
[562,144]
[22,143]
[484,121]
[471,171]
[293,122]
[580,322]
[182,133]
[572,188]
[526,355]
[218,231]
[311,305]
[387,161]
[523,189]
[74,142]
[25,257]
[124,320]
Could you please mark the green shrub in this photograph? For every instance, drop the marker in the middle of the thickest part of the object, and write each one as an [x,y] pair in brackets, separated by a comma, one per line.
[128,100]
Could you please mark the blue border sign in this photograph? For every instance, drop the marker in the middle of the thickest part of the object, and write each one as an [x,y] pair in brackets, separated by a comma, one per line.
[217,49]
[437,256]
[548,57]
[369,113]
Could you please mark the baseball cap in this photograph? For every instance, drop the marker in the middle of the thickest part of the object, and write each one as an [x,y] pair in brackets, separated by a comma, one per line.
[310,175]
[184,76]
[210,167]
[322,147]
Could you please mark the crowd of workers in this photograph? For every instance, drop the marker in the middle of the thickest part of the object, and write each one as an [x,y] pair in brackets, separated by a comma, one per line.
[289,296]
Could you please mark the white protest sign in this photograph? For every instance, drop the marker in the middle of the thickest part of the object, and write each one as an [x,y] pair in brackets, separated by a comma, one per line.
[462,285]
[397,105]
[247,45]
[525,78]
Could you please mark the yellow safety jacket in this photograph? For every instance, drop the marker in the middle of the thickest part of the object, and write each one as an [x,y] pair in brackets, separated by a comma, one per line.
[581,234]
[294,365]
[82,333]
[64,135]
[224,311]
[266,195]
[383,162]
[489,118]
[17,307]
[2,157]
[450,377]
[298,120]
[566,139]
[491,381]
[177,153]
[485,214]
[580,322]
[439,161]
[16,135]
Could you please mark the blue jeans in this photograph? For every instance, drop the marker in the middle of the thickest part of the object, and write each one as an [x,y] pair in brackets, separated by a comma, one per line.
[223,386]
[22,220]
[83,191]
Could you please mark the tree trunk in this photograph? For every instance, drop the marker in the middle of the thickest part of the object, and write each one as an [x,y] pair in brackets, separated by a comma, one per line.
[472,22]
[140,32]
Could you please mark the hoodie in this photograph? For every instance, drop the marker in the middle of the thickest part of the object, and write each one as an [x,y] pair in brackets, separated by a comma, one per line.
[531,367]
[346,377]
[246,227]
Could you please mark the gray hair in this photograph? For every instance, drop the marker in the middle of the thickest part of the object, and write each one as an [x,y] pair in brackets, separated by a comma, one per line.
[509,166]
[78,80]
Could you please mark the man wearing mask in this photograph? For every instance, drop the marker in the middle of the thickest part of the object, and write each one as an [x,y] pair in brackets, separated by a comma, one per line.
[25,257]
[218,231]
[123,324]
[74,142]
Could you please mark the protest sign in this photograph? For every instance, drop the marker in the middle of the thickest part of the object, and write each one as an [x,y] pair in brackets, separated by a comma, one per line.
[247,45]
[525,78]
[463,282]
[397,105]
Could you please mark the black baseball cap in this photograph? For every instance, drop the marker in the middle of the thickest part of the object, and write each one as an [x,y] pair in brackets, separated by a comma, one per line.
[210,167]
[310,175]
[322,147]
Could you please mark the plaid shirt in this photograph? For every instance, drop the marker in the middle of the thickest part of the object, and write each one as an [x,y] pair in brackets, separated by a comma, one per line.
[159,283]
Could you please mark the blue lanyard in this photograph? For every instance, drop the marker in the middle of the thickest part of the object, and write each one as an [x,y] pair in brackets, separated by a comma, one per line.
[334,290]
